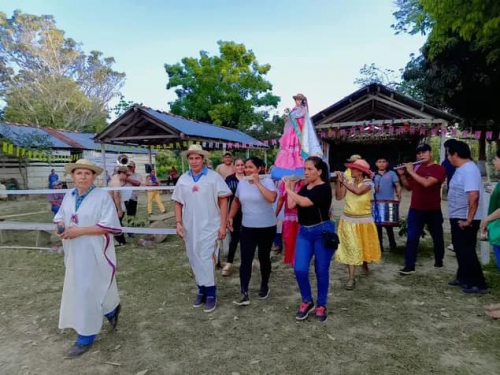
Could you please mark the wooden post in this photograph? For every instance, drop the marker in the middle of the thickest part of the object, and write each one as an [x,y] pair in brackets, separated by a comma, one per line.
[103,155]
[248,153]
[265,158]
[182,161]
[150,156]
[442,151]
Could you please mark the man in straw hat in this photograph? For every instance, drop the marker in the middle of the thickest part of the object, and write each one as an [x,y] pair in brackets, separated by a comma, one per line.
[200,197]
[86,221]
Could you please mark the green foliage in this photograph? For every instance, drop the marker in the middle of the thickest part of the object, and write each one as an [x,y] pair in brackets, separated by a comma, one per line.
[123,106]
[47,79]
[229,89]
[165,160]
[473,21]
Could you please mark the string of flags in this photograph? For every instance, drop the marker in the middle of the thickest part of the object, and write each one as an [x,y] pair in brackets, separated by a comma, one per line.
[406,129]
[11,149]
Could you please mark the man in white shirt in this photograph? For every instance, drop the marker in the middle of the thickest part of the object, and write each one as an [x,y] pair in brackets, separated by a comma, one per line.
[200,197]
[464,211]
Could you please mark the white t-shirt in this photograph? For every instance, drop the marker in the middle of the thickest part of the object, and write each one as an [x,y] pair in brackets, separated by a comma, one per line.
[132,194]
[257,211]
[466,178]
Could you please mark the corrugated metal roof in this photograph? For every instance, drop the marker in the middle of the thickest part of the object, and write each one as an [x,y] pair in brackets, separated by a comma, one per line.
[17,133]
[201,129]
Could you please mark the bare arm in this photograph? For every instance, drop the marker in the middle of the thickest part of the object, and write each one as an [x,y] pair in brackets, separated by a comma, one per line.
[298,200]
[398,190]
[133,182]
[178,219]
[404,179]
[74,232]
[473,203]
[235,206]
[340,190]
[223,217]
[268,195]
[363,189]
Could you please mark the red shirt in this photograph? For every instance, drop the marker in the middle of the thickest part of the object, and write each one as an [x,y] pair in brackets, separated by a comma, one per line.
[427,198]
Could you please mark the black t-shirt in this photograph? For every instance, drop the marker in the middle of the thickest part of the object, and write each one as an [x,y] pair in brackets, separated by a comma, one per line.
[321,196]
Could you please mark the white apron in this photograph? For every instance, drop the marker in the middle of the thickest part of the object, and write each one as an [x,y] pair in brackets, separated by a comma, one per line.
[201,221]
[90,289]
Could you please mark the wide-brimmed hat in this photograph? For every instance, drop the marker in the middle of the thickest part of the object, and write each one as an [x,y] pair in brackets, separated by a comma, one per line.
[300,96]
[353,158]
[195,149]
[83,164]
[360,165]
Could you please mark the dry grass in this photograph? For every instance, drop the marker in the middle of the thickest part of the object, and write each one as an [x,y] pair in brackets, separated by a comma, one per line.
[388,325]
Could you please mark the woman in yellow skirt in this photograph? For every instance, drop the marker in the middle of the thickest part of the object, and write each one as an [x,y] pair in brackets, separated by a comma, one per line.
[357,231]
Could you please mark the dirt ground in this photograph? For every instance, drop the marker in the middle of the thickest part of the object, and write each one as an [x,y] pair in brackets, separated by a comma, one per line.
[388,325]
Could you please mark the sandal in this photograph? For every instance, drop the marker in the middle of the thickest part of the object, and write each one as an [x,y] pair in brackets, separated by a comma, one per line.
[492,307]
[351,283]
[226,271]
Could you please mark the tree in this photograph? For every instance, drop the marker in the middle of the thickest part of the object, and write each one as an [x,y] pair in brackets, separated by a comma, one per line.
[123,106]
[475,21]
[229,89]
[48,80]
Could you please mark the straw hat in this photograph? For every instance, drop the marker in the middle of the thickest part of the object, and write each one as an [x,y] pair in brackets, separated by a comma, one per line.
[195,149]
[360,165]
[353,158]
[83,164]
[300,96]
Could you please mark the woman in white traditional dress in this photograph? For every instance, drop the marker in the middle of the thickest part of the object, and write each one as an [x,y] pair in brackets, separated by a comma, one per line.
[86,222]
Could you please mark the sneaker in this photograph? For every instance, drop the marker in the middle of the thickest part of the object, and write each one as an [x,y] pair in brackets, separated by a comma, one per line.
[264,293]
[350,284]
[321,315]
[200,300]
[245,301]
[474,290]
[210,304]
[438,264]
[304,309]
[407,270]
[450,247]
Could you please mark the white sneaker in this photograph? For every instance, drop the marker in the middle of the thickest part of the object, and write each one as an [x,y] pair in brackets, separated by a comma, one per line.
[450,247]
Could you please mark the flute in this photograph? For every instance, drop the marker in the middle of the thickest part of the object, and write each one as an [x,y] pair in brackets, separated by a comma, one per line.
[414,163]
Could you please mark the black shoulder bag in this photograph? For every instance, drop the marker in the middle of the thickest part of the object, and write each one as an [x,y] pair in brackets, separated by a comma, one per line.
[330,239]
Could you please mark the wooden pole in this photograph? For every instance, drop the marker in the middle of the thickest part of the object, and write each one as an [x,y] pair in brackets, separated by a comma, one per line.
[150,156]
[103,155]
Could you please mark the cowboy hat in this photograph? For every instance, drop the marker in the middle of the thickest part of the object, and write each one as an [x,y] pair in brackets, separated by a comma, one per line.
[195,149]
[300,96]
[83,164]
[353,158]
[360,165]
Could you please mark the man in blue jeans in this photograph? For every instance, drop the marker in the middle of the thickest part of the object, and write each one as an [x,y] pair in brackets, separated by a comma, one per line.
[424,181]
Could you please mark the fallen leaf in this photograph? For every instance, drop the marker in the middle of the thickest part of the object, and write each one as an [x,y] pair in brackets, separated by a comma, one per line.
[445,314]
[254,362]
[330,337]
[143,372]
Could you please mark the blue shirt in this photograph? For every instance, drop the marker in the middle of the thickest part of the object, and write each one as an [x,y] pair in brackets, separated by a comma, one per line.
[79,198]
[53,178]
[386,183]
[450,170]
[197,177]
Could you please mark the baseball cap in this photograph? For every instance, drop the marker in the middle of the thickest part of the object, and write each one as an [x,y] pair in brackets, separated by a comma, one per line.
[422,147]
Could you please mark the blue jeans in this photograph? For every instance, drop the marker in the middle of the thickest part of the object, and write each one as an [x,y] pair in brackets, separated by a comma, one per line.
[496,250]
[88,340]
[309,243]
[416,222]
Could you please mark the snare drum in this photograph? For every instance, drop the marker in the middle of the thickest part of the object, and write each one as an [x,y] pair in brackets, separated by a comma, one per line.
[385,212]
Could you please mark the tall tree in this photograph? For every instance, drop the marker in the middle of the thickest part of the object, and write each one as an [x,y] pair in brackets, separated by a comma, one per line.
[229,89]
[475,21]
[48,80]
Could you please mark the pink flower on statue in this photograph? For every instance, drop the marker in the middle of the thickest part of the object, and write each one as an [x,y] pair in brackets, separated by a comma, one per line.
[74,219]
[195,188]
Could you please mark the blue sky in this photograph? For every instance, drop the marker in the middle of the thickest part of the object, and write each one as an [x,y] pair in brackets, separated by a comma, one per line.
[315,47]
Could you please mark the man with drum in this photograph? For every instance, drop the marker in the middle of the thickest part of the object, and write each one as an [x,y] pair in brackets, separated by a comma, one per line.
[386,184]
[424,179]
